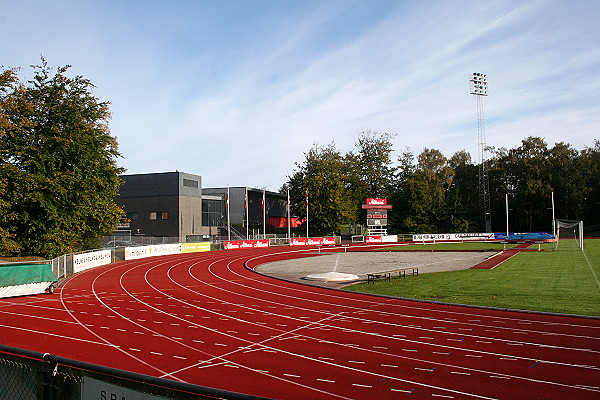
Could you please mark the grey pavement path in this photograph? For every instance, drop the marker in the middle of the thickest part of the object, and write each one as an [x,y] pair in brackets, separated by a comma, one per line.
[363,263]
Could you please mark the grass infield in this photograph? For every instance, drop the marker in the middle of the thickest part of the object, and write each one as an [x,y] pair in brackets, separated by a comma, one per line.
[561,281]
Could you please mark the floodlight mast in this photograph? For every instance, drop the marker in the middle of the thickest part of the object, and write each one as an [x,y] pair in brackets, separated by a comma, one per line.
[478,85]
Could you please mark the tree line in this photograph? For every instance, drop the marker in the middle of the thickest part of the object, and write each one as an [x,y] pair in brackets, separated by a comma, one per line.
[58,171]
[432,193]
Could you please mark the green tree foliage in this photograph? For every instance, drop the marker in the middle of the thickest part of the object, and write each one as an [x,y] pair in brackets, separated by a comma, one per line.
[369,171]
[589,164]
[58,171]
[321,175]
[427,188]
[434,194]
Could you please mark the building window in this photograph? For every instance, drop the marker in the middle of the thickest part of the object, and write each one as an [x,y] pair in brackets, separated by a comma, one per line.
[133,216]
[190,183]
[153,216]
[164,215]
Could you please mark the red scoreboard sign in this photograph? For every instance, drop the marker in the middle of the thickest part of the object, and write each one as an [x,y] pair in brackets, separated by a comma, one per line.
[376,202]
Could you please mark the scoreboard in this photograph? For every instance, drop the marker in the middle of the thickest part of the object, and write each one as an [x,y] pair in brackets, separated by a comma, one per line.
[377,210]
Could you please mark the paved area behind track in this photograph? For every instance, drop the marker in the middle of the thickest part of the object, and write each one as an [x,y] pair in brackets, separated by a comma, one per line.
[363,263]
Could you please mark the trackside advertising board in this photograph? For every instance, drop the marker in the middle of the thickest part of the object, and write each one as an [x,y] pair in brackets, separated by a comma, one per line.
[96,389]
[439,237]
[92,259]
[320,241]
[195,247]
[381,239]
[245,244]
[134,253]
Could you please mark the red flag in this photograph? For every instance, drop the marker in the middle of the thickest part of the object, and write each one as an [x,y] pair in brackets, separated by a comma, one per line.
[246,199]
[227,198]
[307,198]
[262,203]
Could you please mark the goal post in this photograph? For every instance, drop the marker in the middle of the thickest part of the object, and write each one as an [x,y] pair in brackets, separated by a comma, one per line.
[568,229]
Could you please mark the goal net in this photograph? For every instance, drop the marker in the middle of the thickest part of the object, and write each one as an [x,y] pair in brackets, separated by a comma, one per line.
[568,233]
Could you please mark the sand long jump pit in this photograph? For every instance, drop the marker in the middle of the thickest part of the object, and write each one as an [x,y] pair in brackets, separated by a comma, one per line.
[363,263]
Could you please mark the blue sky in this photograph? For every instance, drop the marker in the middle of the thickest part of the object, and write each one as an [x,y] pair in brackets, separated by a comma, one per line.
[237,91]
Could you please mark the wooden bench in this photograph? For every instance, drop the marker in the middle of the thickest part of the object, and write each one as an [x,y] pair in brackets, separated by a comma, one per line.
[344,246]
[387,275]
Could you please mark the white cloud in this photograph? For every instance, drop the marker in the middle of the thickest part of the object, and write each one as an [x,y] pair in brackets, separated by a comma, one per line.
[238,94]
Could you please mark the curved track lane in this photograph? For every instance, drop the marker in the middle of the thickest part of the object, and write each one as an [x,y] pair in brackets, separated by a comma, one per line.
[206,318]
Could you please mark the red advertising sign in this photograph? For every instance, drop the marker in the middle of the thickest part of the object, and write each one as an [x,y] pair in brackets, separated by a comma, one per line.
[374,239]
[245,244]
[312,241]
[376,202]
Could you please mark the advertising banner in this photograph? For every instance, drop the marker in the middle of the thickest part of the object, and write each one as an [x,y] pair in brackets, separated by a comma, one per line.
[195,247]
[96,389]
[133,253]
[376,202]
[83,261]
[312,241]
[166,249]
[431,237]
[381,239]
[245,244]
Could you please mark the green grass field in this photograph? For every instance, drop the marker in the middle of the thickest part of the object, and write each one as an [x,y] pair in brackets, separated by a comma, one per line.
[562,281]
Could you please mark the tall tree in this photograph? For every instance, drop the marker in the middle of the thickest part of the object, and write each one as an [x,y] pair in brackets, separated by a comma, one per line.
[427,189]
[524,173]
[589,166]
[321,175]
[369,171]
[58,163]
[463,197]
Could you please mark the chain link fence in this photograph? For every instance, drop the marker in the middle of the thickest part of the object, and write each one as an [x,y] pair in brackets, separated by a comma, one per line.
[28,375]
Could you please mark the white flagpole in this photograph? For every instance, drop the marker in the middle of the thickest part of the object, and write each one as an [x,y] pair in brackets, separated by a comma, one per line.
[264,204]
[228,224]
[307,213]
[507,231]
[553,217]
[288,215]
[247,207]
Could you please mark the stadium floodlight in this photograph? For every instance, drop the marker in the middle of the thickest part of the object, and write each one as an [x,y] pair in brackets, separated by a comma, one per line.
[478,85]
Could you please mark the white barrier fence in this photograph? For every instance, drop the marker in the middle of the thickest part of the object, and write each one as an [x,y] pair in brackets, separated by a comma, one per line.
[443,237]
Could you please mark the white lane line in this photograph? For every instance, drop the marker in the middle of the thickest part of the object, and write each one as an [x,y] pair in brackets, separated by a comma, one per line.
[401,391]
[325,380]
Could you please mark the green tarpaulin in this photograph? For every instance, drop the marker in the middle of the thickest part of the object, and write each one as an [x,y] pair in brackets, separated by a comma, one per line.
[21,274]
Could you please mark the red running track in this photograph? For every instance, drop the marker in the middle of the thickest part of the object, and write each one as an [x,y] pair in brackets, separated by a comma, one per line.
[205,318]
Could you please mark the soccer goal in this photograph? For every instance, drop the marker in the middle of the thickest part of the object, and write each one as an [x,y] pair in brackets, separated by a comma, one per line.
[567,229]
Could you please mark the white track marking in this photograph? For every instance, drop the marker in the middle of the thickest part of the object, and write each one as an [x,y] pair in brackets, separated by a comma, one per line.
[363,349]
[335,327]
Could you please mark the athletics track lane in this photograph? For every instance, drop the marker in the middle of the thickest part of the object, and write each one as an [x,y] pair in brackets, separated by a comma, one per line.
[206,319]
